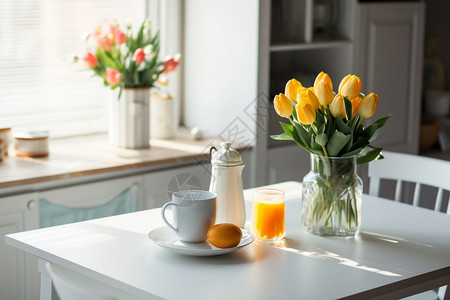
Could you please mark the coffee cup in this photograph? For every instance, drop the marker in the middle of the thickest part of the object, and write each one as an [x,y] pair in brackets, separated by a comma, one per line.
[194,212]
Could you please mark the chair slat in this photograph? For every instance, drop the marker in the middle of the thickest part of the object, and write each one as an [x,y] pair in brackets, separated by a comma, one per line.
[448,208]
[374,187]
[438,203]
[416,194]
[398,191]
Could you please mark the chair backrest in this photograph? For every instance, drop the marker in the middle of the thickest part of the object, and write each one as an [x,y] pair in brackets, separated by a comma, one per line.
[411,168]
[68,289]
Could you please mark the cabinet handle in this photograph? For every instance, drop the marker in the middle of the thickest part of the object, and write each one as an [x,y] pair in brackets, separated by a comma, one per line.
[31,205]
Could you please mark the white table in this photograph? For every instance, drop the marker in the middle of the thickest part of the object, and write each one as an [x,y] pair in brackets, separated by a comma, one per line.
[401,250]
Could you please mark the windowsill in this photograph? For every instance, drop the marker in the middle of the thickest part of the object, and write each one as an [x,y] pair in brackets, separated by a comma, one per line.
[92,155]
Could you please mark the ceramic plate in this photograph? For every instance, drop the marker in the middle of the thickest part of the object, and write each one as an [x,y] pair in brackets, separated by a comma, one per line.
[166,238]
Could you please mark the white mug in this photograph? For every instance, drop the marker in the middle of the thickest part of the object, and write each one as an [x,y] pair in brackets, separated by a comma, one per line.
[194,212]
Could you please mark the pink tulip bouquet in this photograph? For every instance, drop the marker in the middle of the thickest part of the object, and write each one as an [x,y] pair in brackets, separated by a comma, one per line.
[124,59]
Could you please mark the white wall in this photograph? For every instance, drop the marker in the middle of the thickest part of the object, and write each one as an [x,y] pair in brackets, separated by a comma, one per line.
[220,66]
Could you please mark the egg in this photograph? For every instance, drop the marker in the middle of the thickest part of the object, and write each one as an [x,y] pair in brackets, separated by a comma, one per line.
[224,235]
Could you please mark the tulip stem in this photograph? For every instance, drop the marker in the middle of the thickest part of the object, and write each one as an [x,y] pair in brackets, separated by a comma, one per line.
[324,150]
[358,123]
[323,146]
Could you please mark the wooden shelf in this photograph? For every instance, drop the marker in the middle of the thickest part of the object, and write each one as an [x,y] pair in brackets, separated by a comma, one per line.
[308,46]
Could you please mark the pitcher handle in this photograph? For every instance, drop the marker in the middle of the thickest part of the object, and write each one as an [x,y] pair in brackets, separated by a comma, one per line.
[211,151]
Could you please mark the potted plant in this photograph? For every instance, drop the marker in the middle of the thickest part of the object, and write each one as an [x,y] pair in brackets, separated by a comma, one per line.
[129,63]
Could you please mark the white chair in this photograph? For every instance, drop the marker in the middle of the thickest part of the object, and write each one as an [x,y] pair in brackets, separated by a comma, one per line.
[419,170]
[69,289]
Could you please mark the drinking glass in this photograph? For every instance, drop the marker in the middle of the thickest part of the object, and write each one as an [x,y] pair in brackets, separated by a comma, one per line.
[268,215]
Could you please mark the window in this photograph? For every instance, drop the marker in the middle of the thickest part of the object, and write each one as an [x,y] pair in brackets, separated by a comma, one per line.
[39,86]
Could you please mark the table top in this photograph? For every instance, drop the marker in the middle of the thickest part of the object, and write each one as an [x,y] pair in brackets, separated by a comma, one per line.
[397,243]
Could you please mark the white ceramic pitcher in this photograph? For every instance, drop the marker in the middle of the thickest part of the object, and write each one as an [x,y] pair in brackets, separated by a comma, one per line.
[226,182]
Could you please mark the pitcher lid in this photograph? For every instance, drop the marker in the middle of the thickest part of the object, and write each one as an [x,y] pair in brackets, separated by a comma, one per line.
[227,156]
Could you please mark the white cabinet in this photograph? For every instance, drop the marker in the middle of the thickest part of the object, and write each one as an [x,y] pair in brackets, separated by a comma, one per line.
[53,207]
[19,276]
[159,186]
[389,61]
[90,200]
[317,47]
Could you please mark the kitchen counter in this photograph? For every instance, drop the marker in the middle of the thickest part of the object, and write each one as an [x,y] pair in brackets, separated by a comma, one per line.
[92,155]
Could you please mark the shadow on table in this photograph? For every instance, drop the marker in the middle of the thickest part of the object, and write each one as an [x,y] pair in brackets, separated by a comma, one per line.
[250,254]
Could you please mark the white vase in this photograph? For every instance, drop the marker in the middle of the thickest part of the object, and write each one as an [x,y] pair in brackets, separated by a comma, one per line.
[162,120]
[129,118]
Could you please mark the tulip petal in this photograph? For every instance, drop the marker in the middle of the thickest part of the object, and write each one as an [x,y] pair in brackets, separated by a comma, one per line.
[323,76]
[291,89]
[305,113]
[283,106]
[337,106]
[350,86]
[368,106]
[324,93]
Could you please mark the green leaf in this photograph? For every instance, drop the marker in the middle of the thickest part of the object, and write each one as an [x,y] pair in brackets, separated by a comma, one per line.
[139,36]
[322,128]
[331,126]
[373,130]
[353,122]
[341,126]
[347,146]
[302,134]
[337,142]
[282,137]
[351,153]
[290,131]
[348,108]
[360,143]
[322,139]
[314,146]
[319,119]
[368,154]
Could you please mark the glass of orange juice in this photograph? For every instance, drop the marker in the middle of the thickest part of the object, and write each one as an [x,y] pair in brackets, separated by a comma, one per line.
[268,220]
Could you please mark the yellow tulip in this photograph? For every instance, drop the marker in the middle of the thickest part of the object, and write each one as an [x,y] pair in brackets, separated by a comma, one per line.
[355,105]
[350,86]
[291,88]
[325,77]
[368,106]
[283,106]
[307,96]
[337,106]
[305,113]
[324,93]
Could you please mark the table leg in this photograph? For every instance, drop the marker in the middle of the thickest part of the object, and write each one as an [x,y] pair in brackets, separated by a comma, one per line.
[46,282]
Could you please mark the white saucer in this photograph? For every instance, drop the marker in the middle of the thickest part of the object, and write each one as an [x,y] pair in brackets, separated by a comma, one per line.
[166,238]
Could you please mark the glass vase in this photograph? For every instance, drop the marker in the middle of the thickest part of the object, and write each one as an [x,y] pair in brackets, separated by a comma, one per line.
[331,195]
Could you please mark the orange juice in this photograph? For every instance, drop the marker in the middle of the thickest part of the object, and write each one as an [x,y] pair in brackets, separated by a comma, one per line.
[268,220]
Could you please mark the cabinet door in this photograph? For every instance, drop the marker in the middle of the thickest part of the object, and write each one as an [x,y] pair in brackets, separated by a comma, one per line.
[287,163]
[389,56]
[19,278]
[160,185]
[91,200]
